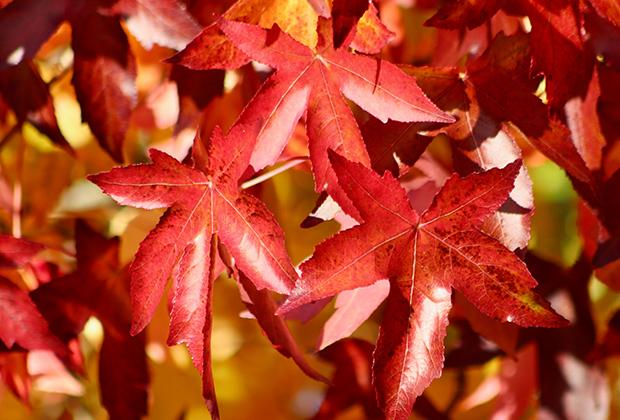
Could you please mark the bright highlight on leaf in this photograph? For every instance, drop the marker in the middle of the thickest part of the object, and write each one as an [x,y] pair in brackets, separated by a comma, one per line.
[205,206]
[386,146]
[424,256]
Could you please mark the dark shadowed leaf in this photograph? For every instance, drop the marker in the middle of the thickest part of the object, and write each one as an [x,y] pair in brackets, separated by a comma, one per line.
[27,94]
[25,25]
[104,72]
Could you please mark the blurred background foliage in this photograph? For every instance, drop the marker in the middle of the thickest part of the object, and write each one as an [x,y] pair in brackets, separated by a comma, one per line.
[252,380]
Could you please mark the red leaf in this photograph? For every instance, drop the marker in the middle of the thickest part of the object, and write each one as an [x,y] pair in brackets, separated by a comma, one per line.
[345,17]
[99,287]
[104,72]
[518,382]
[480,143]
[502,334]
[503,90]
[27,94]
[410,352]
[583,121]
[196,89]
[609,102]
[321,7]
[14,375]
[16,252]
[123,376]
[423,257]
[59,302]
[385,141]
[21,324]
[203,200]
[316,80]
[557,45]
[371,35]
[210,50]
[25,25]
[351,382]
[609,9]
[263,307]
[455,14]
[123,371]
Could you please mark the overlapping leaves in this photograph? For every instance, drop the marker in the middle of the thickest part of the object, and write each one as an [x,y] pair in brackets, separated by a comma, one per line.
[424,256]
[205,206]
[410,258]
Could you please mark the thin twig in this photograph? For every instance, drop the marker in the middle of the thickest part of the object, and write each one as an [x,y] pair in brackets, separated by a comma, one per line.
[16,206]
[273,172]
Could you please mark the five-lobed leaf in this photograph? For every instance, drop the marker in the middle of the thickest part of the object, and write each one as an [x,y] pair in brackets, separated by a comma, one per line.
[316,81]
[204,205]
[424,257]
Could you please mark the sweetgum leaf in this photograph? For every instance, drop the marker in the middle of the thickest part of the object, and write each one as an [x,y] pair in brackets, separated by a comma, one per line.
[321,7]
[211,49]
[424,257]
[349,314]
[123,376]
[14,374]
[351,382]
[583,120]
[204,206]
[478,142]
[316,81]
[609,9]
[345,17]
[297,17]
[569,383]
[196,89]
[371,35]
[499,86]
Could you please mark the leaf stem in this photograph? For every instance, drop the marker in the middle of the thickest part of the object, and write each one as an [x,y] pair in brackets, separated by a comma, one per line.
[16,205]
[288,164]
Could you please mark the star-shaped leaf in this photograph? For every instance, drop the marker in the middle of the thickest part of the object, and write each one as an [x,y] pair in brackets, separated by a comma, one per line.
[204,206]
[424,256]
[317,81]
